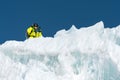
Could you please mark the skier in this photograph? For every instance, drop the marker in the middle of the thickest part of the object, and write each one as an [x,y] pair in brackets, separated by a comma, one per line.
[34,31]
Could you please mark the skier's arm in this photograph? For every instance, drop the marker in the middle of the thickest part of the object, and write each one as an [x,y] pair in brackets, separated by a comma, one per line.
[29,30]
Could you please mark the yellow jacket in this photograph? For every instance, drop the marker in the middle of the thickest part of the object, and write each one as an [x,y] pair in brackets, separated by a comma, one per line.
[31,33]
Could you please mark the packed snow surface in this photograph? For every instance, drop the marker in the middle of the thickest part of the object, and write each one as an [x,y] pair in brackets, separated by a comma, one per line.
[88,53]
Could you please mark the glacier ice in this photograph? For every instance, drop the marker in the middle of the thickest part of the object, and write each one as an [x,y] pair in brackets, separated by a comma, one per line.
[88,53]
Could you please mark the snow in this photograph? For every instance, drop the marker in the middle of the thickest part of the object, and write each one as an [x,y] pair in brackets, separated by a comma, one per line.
[88,53]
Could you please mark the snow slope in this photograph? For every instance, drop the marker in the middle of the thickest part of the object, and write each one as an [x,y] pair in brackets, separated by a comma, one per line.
[90,53]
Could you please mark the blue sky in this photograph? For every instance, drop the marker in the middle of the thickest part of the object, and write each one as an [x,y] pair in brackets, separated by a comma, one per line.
[54,15]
